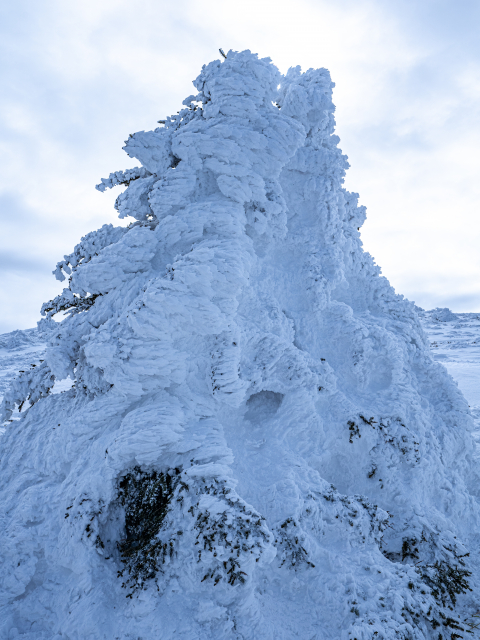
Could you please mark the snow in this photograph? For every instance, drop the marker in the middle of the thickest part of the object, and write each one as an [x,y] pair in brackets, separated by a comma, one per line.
[258,442]
[456,344]
[21,350]
[18,349]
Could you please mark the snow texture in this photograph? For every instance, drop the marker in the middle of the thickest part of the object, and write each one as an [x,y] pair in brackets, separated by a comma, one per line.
[457,346]
[442,315]
[258,443]
[19,350]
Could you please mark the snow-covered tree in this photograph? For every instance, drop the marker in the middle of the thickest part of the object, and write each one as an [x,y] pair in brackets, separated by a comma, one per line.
[257,443]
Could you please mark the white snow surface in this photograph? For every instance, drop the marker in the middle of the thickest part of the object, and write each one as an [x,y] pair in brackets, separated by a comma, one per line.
[319,463]
[18,350]
[456,344]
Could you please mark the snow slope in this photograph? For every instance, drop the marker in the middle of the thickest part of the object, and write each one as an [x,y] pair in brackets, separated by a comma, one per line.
[258,443]
[18,350]
[456,344]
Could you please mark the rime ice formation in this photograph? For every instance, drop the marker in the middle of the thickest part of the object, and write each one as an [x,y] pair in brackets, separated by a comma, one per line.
[258,443]
[442,315]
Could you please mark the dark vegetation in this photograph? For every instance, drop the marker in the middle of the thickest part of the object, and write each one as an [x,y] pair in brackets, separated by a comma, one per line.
[146,498]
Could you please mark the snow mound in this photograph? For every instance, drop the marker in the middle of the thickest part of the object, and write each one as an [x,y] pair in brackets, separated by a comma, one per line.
[19,339]
[442,315]
[258,442]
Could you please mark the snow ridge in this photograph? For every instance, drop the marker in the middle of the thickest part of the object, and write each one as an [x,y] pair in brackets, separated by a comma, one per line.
[258,443]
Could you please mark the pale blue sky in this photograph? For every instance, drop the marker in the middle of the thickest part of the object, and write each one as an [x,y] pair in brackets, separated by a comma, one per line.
[77,78]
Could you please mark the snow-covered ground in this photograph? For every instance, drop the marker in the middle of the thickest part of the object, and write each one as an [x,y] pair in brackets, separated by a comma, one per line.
[18,349]
[456,344]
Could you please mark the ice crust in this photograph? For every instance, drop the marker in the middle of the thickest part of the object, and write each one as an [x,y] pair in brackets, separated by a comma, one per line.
[237,337]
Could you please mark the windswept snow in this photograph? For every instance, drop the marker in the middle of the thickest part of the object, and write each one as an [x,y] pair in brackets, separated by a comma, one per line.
[18,350]
[456,344]
[258,443]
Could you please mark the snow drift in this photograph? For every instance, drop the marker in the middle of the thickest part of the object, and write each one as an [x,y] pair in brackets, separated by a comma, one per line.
[258,443]
[442,315]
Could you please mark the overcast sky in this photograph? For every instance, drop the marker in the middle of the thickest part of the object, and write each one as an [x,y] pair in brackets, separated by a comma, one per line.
[78,77]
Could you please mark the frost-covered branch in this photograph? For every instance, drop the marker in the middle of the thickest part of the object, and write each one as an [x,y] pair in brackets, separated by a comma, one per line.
[89,246]
[68,301]
[123,178]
